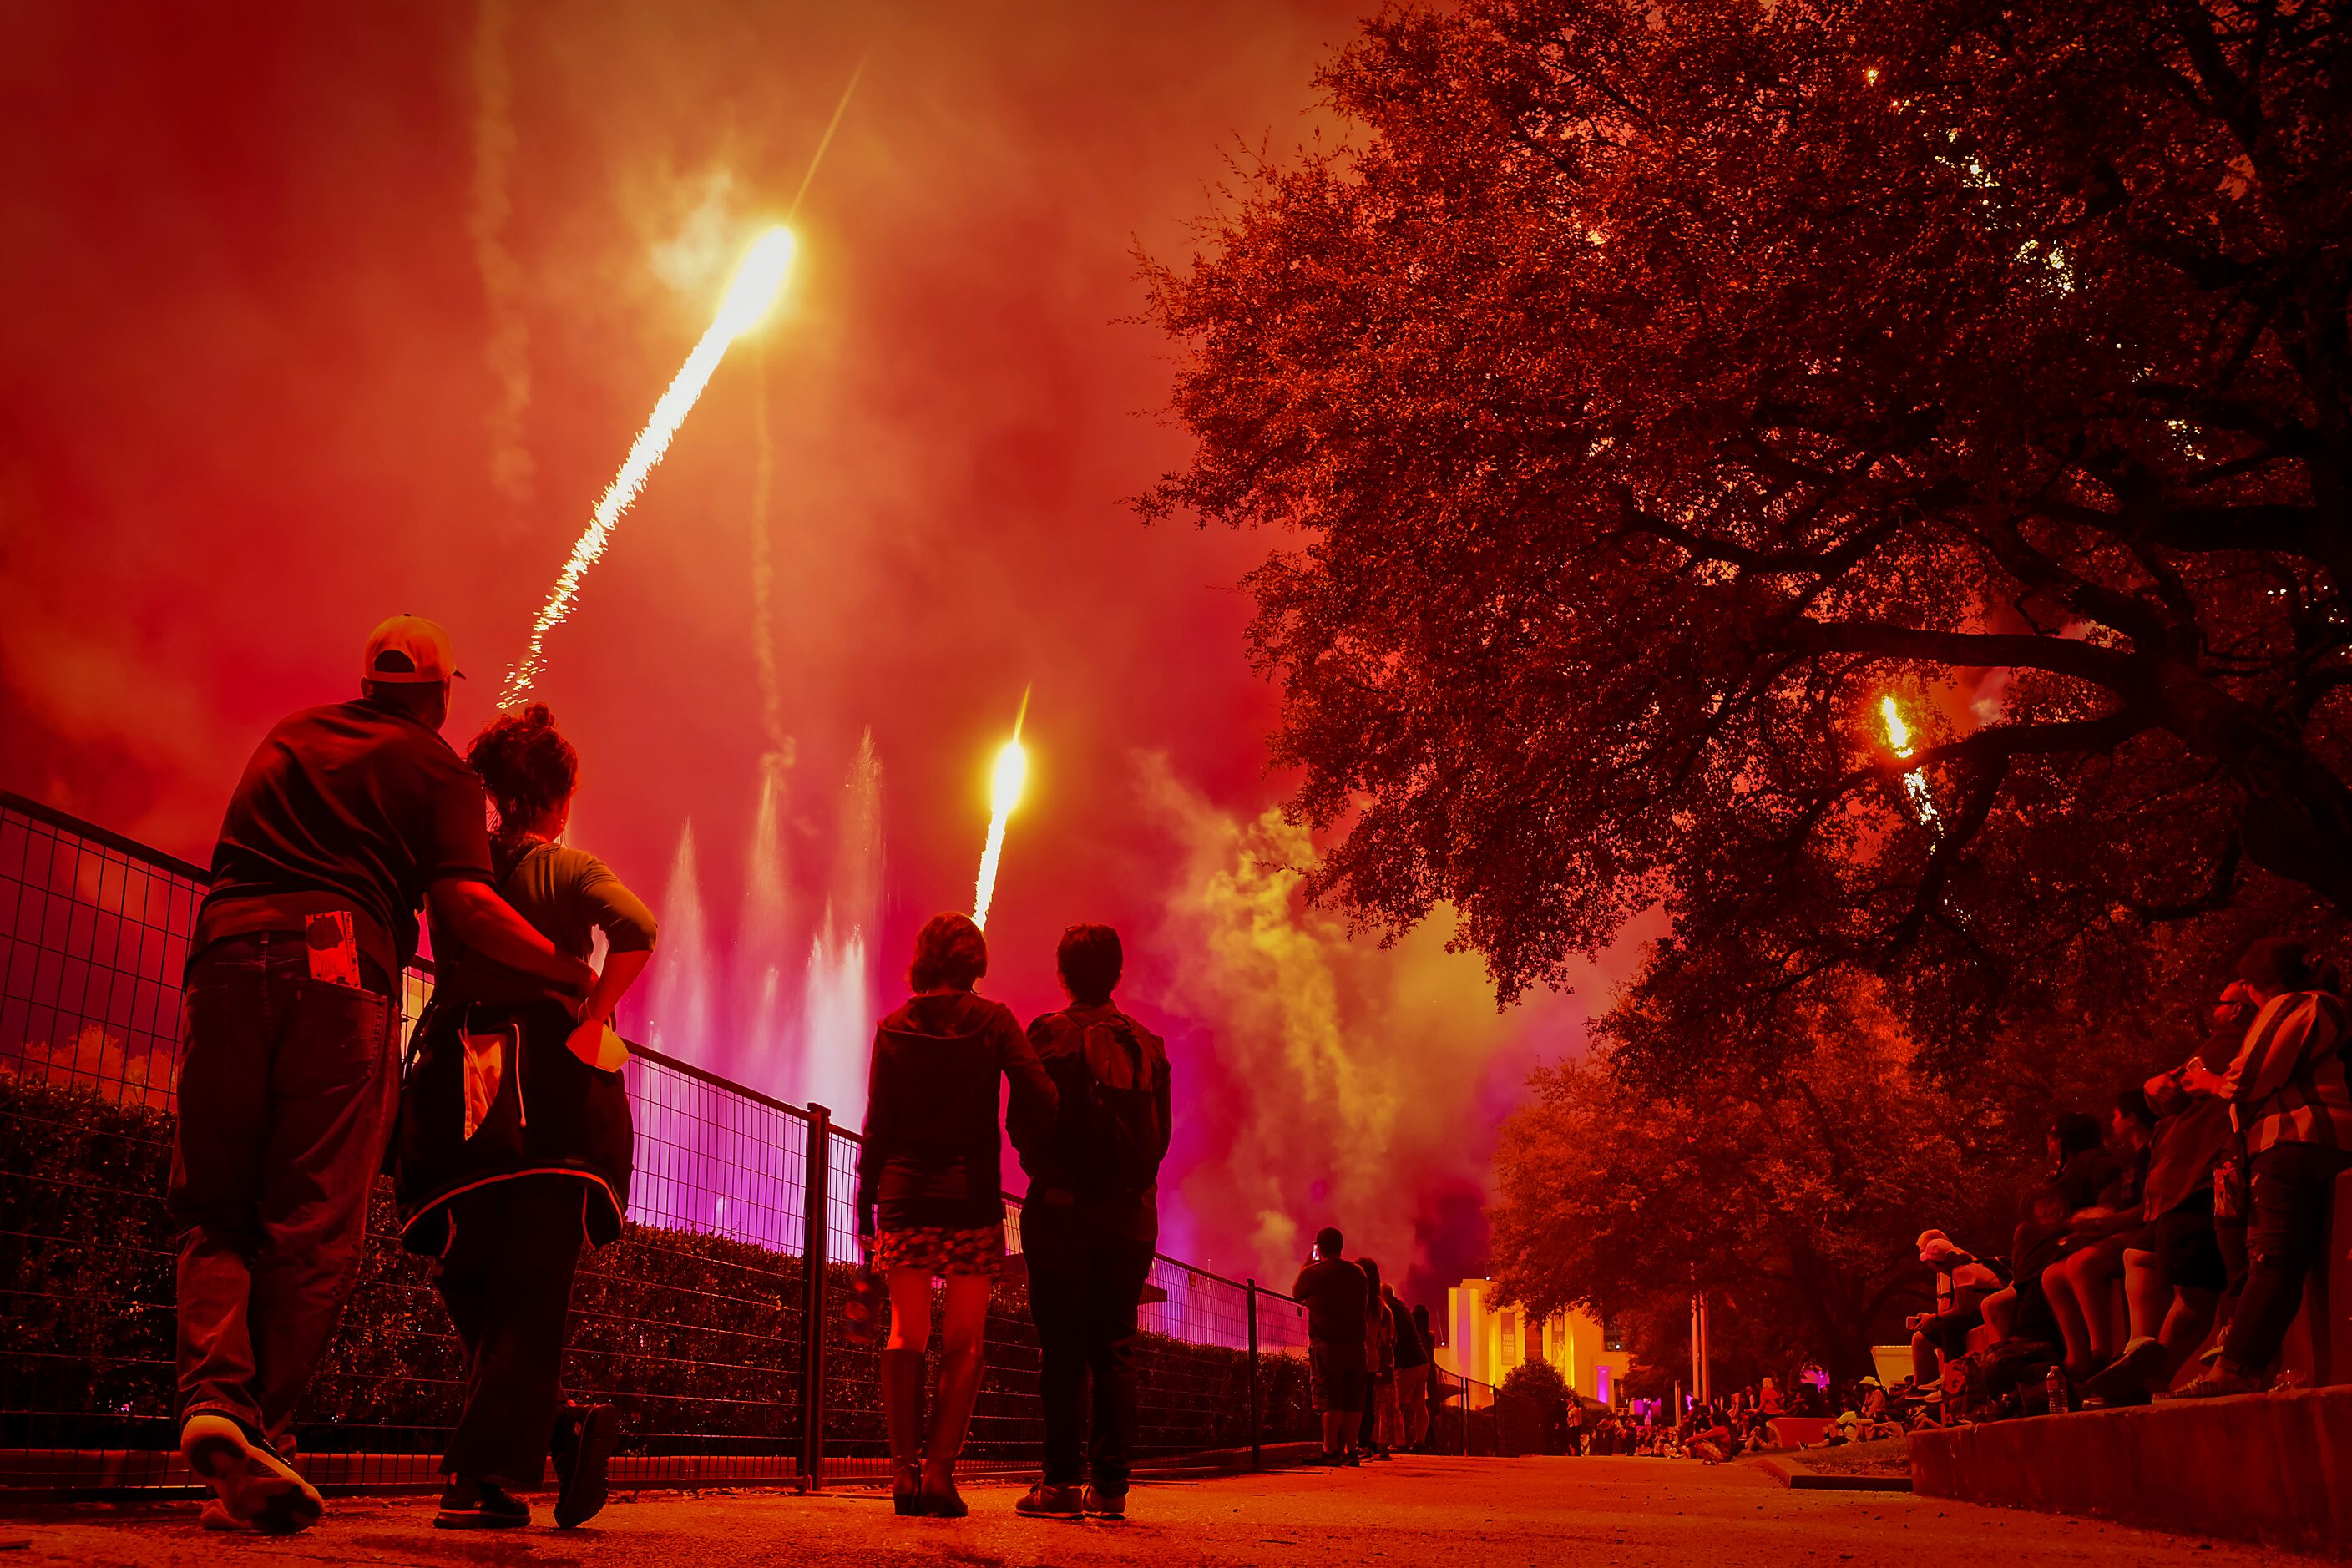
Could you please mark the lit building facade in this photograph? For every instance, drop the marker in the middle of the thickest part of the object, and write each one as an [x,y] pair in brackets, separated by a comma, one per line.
[1484,1341]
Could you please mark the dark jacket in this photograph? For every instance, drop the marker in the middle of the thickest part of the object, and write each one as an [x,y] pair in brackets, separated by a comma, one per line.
[931,1155]
[1059,1170]
[552,1112]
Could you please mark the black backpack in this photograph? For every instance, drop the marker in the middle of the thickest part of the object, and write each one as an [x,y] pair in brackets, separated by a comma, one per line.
[1121,1136]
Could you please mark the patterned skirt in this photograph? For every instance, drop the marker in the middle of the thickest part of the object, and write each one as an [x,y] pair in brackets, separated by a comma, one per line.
[946,1251]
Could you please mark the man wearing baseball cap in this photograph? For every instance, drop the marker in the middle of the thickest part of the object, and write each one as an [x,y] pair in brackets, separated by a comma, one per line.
[1962,1283]
[349,818]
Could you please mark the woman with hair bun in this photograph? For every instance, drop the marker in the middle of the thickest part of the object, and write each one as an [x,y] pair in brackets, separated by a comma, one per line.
[515,1145]
[930,1193]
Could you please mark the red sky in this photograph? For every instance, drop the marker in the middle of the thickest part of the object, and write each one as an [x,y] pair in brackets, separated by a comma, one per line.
[246,380]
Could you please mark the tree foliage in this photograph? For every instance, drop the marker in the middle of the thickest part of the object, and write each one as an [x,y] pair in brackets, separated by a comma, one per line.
[1540,1383]
[1796,1203]
[1653,386]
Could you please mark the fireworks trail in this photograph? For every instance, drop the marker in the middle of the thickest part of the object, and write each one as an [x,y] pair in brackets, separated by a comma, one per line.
[757,282]
[763,569]
[825,141]
[1006,782]
[1914,782]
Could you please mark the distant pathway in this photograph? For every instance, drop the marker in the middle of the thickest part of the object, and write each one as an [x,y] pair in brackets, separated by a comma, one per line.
[1461,1513]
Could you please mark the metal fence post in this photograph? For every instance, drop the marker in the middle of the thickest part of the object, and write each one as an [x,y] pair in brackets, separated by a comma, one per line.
[815,1200]
[1257,1459]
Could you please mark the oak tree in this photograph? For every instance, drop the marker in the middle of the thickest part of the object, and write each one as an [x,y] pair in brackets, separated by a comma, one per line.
[1649,389]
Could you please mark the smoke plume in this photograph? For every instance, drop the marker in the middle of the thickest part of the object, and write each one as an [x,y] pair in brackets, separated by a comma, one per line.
[1321,1081]
[508,350]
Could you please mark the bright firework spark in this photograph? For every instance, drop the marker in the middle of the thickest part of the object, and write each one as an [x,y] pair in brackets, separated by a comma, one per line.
[1914,782]
[1004,785]
[757,282]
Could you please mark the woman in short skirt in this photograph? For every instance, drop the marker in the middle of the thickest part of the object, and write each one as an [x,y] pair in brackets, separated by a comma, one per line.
[930,1192]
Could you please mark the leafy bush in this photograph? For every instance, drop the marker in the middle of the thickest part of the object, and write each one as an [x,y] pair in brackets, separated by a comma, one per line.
[1539,1383]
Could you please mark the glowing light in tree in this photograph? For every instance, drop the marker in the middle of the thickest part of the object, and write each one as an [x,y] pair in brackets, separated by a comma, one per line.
[1914,782]
[1006,781]
[758,281]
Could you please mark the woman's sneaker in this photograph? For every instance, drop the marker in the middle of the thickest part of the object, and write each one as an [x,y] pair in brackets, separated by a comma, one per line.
[253,1484]
[479,1505]
[1105,1505]
[1046,1500]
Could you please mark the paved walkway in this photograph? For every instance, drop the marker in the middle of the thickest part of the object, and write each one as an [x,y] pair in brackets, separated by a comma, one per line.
[1460,1514]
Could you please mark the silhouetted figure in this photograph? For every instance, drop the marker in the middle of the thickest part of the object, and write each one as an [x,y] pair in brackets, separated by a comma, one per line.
[347,820]
[930,1192]
[1091,1224]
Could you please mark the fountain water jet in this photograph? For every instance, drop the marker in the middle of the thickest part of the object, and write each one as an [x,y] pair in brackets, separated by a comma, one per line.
[763,939]
[839,1008]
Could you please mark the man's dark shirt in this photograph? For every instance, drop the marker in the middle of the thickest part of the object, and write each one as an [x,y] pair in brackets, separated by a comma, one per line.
[1059,1166]
[354,805]
[1333,1292]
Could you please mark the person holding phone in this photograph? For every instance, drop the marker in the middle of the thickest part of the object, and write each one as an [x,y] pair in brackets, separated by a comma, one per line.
[1338,1299]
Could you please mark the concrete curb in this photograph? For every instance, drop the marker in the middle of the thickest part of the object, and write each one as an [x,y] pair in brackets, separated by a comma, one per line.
[2269,1467]
[1803,1478]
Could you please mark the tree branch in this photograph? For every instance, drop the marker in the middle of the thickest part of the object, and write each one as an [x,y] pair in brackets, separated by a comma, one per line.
[2085,661]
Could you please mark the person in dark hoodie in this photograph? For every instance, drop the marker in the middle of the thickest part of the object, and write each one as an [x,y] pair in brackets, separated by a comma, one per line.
[515,1143]
[931,1197]
[1091,1224]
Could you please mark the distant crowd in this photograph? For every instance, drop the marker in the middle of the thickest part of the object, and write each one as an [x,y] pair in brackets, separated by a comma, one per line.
[2205,1193]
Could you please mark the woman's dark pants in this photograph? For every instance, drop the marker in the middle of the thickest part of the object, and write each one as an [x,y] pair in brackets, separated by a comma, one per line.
[507,1282]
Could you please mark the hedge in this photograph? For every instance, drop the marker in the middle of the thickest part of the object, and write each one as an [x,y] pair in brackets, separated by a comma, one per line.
[696,1338]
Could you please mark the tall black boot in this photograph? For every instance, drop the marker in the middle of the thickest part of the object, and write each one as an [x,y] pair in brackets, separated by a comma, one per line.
[959,1374]
[902,1403]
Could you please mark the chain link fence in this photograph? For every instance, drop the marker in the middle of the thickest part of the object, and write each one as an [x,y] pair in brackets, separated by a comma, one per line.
[714,1325]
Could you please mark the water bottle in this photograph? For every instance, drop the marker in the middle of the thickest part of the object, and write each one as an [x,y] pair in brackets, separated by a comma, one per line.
[2054,1387]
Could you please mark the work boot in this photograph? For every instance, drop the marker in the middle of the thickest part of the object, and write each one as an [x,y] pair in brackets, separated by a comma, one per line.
[960,1373]
[902,1403]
